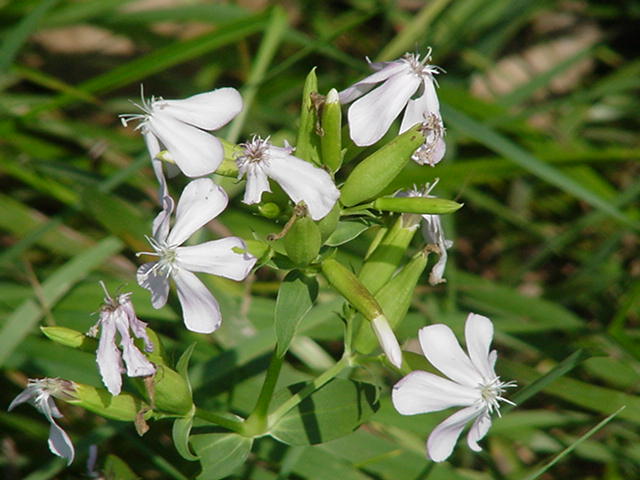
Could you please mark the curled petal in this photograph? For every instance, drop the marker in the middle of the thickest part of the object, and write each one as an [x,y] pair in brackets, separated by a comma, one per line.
[423,392]
[197,153]
[478,334]
[257,184]
[478,430]
[209,110]
[437,271]
[442,349]
[443,438]
[371,116]
[304,182]
[108,355]
[200,309]
[151,278]
[419,108]
[60,443]
[217,257]
[24,396]
[387,340]
[383,72]
[201,201]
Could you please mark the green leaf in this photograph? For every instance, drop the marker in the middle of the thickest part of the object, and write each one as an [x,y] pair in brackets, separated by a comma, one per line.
[345,232]
[114,467]
[220,453]
[308,143]
[295,298]
[25,318]
[331,412]
[180,435]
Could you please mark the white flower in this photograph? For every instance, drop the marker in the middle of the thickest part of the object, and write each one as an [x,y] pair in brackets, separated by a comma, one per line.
[117,315]
[302,181]
[200,202]
[474,385]
[406,82]
[433,149]
[39,393]
[177,126]
[387,340]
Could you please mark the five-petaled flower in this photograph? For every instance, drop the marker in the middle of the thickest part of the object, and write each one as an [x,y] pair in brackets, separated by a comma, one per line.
[177,126]
[474,385]
[118,316]
[259,161]
[40,393]
[406,82]
[201,201]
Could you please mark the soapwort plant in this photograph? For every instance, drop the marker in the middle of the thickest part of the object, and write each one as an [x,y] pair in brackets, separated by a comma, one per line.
[320,194]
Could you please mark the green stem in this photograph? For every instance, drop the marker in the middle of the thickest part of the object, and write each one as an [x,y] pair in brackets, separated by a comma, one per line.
[256,423]
[224,421]
[319,381]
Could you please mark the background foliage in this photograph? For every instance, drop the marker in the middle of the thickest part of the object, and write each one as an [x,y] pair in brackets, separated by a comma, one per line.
[540,102]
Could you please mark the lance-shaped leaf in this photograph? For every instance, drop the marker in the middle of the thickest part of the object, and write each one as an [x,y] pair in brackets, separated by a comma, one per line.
[295,298]
[308,142]
[333,411]
[220,453]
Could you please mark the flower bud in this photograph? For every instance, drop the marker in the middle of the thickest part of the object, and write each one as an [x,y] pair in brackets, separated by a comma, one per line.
[419,205]
[123,407]
[308,143]
[371,176]
[331,140]
[269,210]
[170,392]
[70,338]
[394,298]
[385,259]
[302,242]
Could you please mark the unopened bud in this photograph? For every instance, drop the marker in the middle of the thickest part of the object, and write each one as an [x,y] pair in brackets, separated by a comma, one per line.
[269,210]
[387,340]
[70,338]
[123,407]
[331,140]
[419,205]
[170,392]
[302,242]
[371,176]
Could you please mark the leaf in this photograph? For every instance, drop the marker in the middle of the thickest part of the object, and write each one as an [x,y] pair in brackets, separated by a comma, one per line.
[220,453]
[59,283]
[331,412]
[308,143]
[345,232]
[295,298]
[180,435]
[116,468]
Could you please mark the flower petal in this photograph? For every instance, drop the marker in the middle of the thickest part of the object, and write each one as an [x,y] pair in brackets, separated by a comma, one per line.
[478,334]
[200,309]
[387,340]
[108,355]
[371,116]
[443,438]
[478,430]
[197,153]
[24,396]
[441,348]
[137,363]
[60,443]
[423,392]
[418,108]
[201,201]
[383,72]
[138,327]
[257,184]
[303,182]
[209,110]
[157,283]
[217,257]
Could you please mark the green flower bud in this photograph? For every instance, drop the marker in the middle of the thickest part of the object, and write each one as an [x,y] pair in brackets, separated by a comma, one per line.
[371,176]
[123,407]
[170,392]
[269,210]
[302,242]
[70,338]
[331,140]
[385,259]
[395,299]
[328,224]
[420,205]
[346,283]
[308,142]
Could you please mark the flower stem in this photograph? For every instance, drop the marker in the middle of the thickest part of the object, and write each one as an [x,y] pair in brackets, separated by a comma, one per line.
[256,423]
[222,420]
[318,382]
